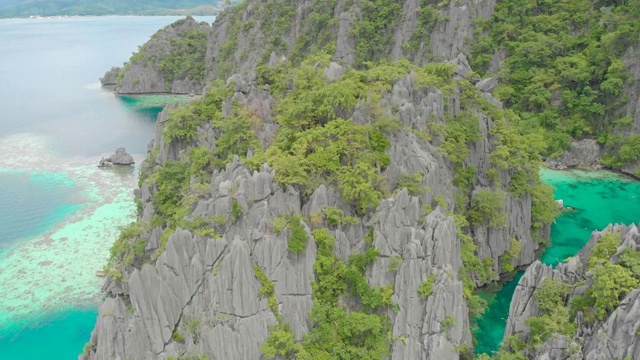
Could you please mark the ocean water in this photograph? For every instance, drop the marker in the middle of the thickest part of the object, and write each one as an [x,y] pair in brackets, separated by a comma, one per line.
[59,212]
[599,198]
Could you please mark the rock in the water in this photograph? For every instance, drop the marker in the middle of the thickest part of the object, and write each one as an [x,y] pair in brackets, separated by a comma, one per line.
[121,157]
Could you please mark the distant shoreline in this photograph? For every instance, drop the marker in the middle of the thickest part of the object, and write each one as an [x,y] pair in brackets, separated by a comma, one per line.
[34,17]
[38,17]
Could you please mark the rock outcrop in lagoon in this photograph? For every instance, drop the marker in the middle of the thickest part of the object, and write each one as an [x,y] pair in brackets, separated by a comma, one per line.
[121,157]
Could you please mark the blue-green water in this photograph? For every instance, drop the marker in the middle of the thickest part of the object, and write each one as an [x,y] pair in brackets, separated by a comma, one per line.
[59,213]
[52,200]
[60,335]
[599,198]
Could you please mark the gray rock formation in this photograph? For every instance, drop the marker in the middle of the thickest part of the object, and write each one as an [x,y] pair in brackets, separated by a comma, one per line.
[233,47]
[121,157]
[632,85]
[145,73]
[585,152]
[111,76]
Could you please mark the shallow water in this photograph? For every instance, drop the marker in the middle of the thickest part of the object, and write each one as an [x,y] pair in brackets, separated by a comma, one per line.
[599,198]
[59,212]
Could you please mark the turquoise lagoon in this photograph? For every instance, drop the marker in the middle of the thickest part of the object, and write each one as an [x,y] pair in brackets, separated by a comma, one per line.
[599,198]
[59,212]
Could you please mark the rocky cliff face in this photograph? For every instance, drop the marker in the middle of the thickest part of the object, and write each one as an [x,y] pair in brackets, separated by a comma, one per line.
[221,279]
[205,289]
[266,32]
[610,334]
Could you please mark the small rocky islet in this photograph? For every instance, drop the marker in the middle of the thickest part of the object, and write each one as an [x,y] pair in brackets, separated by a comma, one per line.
[337,205]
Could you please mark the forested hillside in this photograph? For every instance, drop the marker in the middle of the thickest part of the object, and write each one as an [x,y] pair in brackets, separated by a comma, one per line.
[567,69]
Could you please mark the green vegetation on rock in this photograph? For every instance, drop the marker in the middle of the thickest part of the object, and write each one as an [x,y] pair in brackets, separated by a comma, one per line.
[563,73]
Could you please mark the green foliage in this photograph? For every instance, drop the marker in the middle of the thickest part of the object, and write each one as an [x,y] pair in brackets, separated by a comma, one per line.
[426,288]
[611,284]
[129,246]
[627,153]
[488,207]
[563,74]
[183,122]
[171,179]
[464,177]
[177,336]
[439,201]
[512,253]
[185,59]
[164,239]
[237,135]
[630,259]
[369,238]
[88,348]
[551,294]
[298,239]
[268,287]
[333,215]
[544,326]
[604,249]
[342,334]
[429,15]
[471,264]
[448,323]
[236,211]
[460,131]
[412,182]
[318,143]
[374,31]
[282,342]
[544,209]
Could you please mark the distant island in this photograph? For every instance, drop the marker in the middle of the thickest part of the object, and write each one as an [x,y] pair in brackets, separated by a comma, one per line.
[29,8]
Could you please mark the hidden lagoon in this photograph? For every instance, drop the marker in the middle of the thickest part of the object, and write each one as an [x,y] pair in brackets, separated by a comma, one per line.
[598,198]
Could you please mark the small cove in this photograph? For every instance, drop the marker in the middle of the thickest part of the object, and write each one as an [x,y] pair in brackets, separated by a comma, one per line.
[599,198]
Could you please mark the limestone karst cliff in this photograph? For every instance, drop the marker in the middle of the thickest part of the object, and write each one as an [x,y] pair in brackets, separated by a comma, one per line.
[259,31]
[172,61]
[337,205]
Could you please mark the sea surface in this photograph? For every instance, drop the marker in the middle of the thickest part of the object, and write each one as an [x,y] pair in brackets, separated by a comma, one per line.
[599,199]
[59,212]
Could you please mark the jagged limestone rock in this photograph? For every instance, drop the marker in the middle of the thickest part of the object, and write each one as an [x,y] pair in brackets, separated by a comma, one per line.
[585,152]
[121,157]
[146,73]
[111,76]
